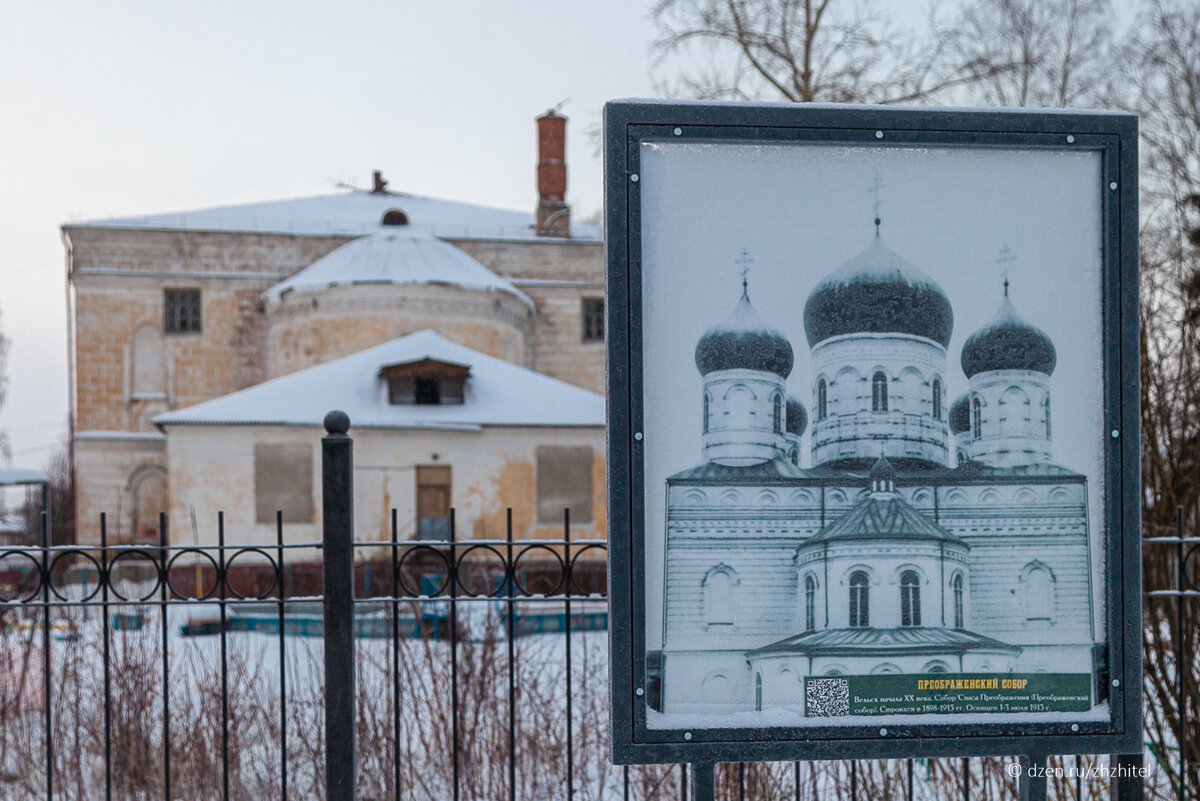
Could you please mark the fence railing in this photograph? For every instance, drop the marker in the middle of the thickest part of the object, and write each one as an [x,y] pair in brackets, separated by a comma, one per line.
[431,670]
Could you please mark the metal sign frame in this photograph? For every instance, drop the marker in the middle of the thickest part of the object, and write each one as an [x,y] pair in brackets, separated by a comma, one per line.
[628,124]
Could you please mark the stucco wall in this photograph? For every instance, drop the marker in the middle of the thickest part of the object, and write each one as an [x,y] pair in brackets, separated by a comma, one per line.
[212,469]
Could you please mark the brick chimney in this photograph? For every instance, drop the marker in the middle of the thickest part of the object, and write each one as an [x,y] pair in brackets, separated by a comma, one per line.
[553,213]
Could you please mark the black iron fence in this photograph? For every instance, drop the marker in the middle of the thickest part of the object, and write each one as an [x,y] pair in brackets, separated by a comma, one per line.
[463,670]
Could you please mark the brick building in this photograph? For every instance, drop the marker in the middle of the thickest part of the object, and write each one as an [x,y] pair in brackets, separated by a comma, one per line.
[173,310]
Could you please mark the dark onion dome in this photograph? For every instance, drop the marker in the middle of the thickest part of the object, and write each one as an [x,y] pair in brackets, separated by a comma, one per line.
[744,342]
[960,414]
[1008,343]
[797,418]
[878,292]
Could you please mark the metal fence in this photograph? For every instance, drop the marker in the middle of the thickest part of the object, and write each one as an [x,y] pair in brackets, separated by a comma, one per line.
[462,670]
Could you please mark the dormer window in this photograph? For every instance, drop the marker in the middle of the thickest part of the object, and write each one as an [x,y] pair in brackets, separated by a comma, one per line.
[394,217]
[425,382]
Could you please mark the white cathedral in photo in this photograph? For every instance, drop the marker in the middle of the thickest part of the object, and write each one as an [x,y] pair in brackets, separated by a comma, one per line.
[927,537]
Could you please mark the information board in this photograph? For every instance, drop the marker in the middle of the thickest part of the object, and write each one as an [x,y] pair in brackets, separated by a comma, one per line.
[873,431]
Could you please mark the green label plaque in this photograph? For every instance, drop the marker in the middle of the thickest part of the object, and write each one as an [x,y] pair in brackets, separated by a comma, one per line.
[946,694]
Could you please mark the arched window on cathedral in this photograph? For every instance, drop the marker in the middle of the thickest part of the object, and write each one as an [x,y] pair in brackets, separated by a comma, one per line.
[777,411]
[719,597]
[822,399]
[976,418]
[706,402]
[758,692]
[910,598]
[860,600]
[1037,584]
[1014,413]
[879,392]
[810,603]
[937,399]
[957,586]
[794,456]
[1046,413]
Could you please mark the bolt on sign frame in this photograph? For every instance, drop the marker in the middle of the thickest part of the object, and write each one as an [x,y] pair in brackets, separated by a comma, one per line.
[703,181]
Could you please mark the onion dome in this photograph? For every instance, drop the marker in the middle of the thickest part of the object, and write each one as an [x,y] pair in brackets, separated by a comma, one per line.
[744,342]
[878,292]
[960,415]
[797,417]
[1008,343]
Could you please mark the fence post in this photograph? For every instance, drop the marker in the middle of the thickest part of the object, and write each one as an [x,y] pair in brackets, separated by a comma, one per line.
[337,515]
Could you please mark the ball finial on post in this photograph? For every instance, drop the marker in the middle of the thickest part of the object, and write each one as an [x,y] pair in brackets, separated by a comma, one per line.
[337,422]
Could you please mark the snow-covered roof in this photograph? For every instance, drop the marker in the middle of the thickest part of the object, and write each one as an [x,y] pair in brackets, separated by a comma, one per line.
[353,214]
[497,393]
[395,255]
[19,475]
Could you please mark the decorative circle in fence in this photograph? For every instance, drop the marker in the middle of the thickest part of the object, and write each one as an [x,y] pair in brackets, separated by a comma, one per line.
[124,571]
[538,582]
[1191,568]
[251,574]
[201,572]
[415,560]
[87,589]
[595,585]
[26,584]
[481,571]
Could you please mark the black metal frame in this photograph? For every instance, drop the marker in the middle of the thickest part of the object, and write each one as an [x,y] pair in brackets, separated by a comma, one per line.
[627,124]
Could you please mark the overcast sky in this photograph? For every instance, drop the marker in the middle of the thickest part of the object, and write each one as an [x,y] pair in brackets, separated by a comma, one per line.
[130,108]
[138,107]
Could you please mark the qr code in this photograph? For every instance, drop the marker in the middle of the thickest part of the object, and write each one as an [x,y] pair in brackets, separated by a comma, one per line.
[827,698]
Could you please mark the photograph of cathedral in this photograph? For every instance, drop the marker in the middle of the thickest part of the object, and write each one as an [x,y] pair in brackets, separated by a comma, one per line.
[883,495]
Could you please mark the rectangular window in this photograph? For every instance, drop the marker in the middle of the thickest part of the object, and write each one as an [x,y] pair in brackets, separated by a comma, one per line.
[182,311]
[593,319]
[564,481]
[433,503]
[283,482]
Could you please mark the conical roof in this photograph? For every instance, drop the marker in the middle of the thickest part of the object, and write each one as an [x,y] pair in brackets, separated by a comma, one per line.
[882,470]
[1008,343]
[396,256]
[744,341]
[878,292]
[883,517]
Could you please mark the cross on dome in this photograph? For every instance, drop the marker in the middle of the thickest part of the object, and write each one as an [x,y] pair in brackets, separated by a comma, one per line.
[744,260]
[876,185]
[1006,256]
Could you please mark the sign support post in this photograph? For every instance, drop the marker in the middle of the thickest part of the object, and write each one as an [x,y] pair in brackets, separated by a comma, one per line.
[703,782]
[1032,784]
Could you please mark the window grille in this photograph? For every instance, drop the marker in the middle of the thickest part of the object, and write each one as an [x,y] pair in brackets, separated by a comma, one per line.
[593,320]
[182,311]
